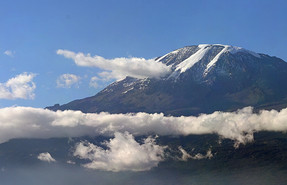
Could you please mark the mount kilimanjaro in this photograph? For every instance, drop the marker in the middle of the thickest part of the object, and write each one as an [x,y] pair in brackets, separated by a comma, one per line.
[203,79]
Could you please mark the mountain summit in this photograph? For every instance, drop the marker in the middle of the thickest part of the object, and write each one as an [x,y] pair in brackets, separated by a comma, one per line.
[203,79]
[201,59]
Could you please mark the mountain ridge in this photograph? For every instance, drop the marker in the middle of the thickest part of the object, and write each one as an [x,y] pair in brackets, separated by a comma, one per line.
[203,79]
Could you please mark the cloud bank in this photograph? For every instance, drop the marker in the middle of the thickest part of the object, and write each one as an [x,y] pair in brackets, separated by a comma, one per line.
[118,68]
[27,122]
[21,86]
[46,157]
[123,153]
[68,80]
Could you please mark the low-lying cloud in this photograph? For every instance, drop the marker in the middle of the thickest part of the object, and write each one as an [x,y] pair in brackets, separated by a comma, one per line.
[185,156]
[46,157]
[118,68]
[27,122]
[19,87]
[123,153]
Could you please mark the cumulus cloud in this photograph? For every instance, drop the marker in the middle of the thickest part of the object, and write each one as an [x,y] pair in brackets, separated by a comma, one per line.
[123,153]
[21,86]
[46,157]
[27,122]
[118,68]
[68,80]
[9,53]
[185,156]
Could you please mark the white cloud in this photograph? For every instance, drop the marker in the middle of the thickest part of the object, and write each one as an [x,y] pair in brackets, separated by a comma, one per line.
[119,68]
[21,86]
[71,162]
[46,157]
[27,122]
[68,80]
[94,82]
[9,53]
[198,156]
[123,153]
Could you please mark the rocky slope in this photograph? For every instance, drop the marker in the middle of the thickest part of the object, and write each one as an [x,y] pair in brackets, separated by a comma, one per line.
[203,79]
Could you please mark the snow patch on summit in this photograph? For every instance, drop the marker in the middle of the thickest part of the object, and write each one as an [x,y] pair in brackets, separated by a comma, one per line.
[183,59]
[173,52]
[193,59]
[215,59]
[230,49]
[234,49]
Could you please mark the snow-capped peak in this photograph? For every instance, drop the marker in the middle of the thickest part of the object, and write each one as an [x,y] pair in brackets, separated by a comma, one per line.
[234,49]
[193,59]
[215,59]
[185,58]
[230,49]
[173,52]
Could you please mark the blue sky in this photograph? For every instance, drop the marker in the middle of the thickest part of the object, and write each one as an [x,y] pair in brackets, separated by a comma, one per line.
[33,31]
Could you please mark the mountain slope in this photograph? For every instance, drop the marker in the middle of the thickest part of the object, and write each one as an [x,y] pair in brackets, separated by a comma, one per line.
[203,79]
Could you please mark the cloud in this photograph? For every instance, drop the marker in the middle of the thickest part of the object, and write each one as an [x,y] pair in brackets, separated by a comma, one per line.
[198,156]
[68,80]
[94,82]
[119,68]
[71,162]
[21,86]
[9,53]
[27,122]
[123,153]
[46,157]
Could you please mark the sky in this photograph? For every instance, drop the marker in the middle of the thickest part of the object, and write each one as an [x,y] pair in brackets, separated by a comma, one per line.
[58,51]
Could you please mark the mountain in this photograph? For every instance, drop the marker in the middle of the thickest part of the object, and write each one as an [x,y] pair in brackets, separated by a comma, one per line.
[203,79]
